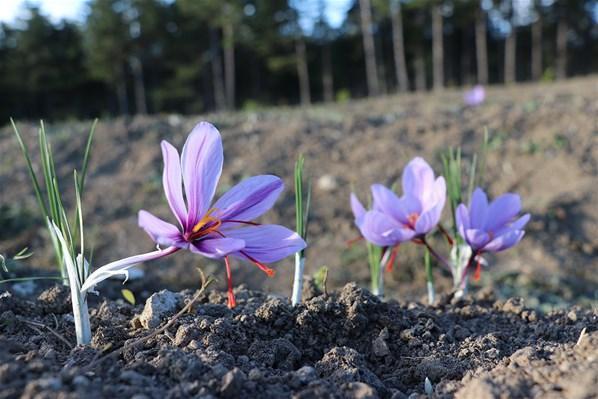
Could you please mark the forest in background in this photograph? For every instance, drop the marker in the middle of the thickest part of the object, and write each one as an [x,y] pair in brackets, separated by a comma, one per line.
[187,56]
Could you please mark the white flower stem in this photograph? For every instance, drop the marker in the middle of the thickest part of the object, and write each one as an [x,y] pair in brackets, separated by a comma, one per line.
[461,257]
[298,279]
[431,292]
[78,298]
[378,285]
[81,315]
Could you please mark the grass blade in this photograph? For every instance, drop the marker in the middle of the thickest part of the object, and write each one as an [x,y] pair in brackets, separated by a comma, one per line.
[36,186]
[81,182]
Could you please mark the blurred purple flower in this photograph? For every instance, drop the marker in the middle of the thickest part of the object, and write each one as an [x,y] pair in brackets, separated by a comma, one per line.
[393,220]
[217,231]
[475,96]
[490,227]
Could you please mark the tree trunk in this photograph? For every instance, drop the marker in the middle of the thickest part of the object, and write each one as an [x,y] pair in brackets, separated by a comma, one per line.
[419,65]
[121,93]
[228,32]
[216,61]
[398,43]
[140,99]
[327,79]
[466,59]
[561,47]
[302,71]
[537,49]
[510,51]
[369,48]
[437,47]
[481,46]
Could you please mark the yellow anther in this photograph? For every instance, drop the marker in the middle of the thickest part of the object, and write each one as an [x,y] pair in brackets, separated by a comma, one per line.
[207,218]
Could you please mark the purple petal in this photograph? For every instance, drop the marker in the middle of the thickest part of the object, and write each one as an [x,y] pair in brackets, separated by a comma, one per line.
[476,238]
[436,196]
[161,232]
[172,181]
[120,266]
[358,209]
[408,205]
[428,220]
[385,201]
[418,178]
[383,231]
[502,210]
[504,241]
[250,198]
[267,243]
[462,219]
[478,209]
[216,248]
[518,224]
[202,165]
[475,96]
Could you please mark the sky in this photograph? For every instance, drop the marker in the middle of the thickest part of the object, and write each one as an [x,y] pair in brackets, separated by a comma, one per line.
[10,10]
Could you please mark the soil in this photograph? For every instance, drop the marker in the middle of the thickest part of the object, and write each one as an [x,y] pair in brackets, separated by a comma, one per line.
[346,344]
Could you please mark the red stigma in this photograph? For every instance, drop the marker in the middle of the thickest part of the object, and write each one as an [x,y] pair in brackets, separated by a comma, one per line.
[448,237]
[229,277]
[478,271]
[269,272]
[391,261]
[353,241]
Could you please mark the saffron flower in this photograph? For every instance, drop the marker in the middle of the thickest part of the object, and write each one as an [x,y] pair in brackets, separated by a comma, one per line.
[475,96]
[491,227]
[393,220]
[222,229]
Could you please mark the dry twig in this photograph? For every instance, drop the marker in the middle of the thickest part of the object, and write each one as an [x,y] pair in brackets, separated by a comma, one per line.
[34,324]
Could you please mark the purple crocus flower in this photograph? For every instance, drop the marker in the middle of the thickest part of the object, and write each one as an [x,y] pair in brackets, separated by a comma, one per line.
[491,227]
[475,96]
[393,220]
[222,229]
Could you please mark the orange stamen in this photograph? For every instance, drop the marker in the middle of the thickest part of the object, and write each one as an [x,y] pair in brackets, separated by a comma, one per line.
[207,218]
[229,277]
[200,229]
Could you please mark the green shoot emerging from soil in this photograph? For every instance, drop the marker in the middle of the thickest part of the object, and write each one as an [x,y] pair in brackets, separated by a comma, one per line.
[376,269]
[302,203]
[68,238]
[50,199]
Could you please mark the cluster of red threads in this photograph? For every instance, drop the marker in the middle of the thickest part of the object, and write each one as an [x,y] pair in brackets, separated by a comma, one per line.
[229,276]
[210,224]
